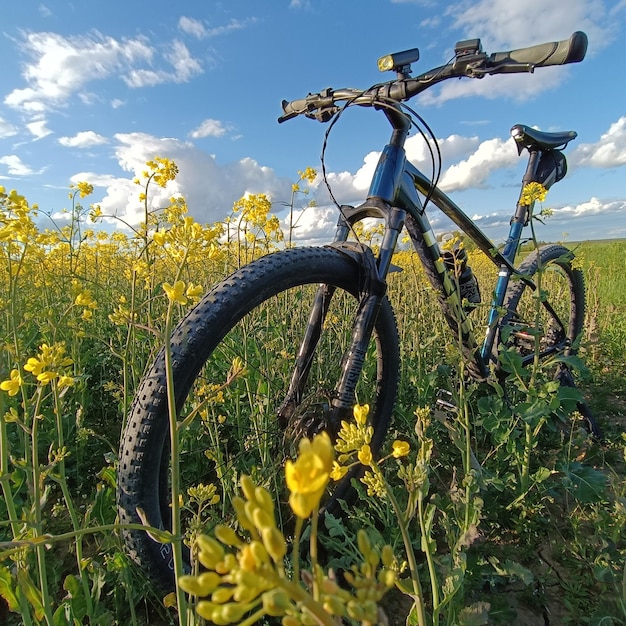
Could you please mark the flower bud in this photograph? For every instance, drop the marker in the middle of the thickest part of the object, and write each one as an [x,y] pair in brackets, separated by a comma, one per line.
[388,556]
[262,519]
[274,543]
[211,551]
[364,543]
[222,595]
[227,535]
[248,487]
[239,505]
[334,606]
[264,500]
[276,602]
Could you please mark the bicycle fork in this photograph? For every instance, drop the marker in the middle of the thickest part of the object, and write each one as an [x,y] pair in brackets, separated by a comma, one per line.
[372,288]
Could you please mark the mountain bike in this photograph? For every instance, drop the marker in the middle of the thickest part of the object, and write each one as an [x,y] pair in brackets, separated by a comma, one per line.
[285,346]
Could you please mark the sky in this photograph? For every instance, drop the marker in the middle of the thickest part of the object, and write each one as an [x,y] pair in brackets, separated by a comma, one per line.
[90,91]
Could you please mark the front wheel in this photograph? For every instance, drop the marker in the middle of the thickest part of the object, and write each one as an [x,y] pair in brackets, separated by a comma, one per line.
[243,413]
[546,323]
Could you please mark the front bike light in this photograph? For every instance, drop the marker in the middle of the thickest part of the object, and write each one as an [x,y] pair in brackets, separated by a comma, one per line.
[398,61]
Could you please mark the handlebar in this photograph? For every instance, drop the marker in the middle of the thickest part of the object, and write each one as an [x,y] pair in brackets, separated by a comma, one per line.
[469,61]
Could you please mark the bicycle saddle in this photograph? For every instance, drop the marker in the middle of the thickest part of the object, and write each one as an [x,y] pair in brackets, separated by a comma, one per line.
[527,137]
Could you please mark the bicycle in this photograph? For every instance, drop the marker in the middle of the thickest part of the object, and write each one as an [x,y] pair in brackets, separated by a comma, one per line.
[314,328]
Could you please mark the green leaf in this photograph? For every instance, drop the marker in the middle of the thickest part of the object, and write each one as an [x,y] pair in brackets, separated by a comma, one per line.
[543,473]
[6,590]
[32,593]
[585,483]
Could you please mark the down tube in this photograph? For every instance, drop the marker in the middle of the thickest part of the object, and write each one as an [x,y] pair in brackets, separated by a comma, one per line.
[408,194]
[426,245]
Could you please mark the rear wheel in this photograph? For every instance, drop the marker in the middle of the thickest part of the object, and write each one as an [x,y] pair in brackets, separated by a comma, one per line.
[233,358]
[546,323]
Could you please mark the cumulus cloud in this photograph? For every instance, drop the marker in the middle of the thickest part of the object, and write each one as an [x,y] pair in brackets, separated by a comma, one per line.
[504,25]
[491,155]
[210,187]
[609,151]
[15,166]
[593,206]
[209,128]
[183,68]
[60,67]
[83,139]
[38,129]
[7,129]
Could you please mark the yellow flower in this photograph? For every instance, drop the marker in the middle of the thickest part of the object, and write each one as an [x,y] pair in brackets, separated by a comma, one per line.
[360,413]
[308,476]
[34,366]
[84,189]
[339,471]
[194,291]
[45,377]
[365,455]
[65,381]
[159,237]
[176,292]
[308,174]
[13,384]
[400,448]
[532,192]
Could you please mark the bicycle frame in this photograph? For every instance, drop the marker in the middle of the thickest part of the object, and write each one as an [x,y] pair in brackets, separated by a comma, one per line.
[394,196]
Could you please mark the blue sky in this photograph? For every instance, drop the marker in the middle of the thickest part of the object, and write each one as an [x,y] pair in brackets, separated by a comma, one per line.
[91,90]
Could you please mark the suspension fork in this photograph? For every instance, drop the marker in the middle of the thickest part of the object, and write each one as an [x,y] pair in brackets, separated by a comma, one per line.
[372,276]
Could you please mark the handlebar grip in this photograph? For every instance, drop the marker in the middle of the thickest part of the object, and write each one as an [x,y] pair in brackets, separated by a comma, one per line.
[570,50]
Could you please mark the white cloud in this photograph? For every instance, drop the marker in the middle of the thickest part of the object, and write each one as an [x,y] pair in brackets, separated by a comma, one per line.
[210,187]
[209,128]
[593,206]
[192,27]
[15,166]
[504,25]
[313,225]
[474,171]
[83,139]
[61,66]
[116,103]
[609,151]
[184,68]
[196,28]
[38,129]
[7,129]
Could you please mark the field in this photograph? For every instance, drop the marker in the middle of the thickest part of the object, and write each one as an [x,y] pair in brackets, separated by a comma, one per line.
[514,517]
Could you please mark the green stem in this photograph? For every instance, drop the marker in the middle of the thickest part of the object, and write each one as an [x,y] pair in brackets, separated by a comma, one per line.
[418,595]
[72,534]
[177,551]
[296,549]
[69,503]
[40,549]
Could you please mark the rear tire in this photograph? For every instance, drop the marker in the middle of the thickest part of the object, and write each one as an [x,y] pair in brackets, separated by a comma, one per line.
[258,314]
[529,326]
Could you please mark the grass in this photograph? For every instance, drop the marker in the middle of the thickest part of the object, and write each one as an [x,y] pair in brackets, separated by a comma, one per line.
[550,541]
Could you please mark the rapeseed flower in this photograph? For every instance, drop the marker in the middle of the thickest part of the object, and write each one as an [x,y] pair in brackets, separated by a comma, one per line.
[13,384]
[176,292]
[533,192]
[400,448]
[308,476]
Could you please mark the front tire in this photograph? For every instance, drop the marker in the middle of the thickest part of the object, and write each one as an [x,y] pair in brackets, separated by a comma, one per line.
[257,315]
